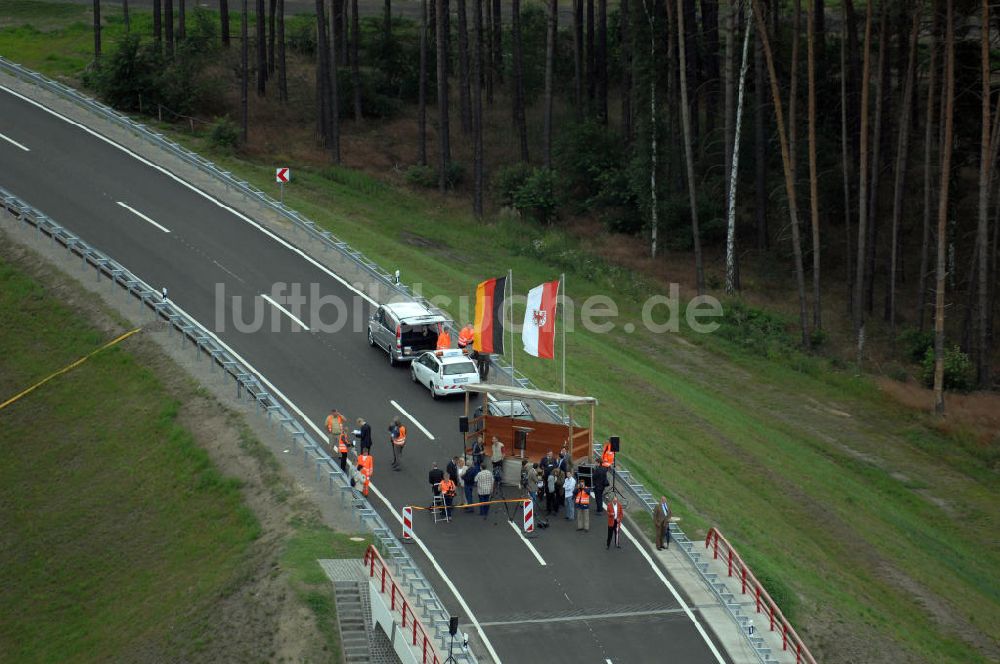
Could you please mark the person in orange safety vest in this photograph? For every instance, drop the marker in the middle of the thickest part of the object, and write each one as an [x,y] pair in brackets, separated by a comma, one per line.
[342,448]
[582,501]
[397,434]
[334,426]
[365,466]
[447,488]
[466,337]
[444,339]
[607,455]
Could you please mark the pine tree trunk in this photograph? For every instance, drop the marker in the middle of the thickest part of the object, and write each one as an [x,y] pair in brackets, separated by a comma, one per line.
[497,42]
[519,121]
[245,70]
[181,20]
[902,154]
[845,155]
[97,29]
[489,61]
[692,53]
[728,93]
[932,71]
[355,59]
[223,20]
[859,279]
[272,36]
[688,153]
[125,16]
[789,183]
[942,228]
[477,110]
[625,56]
[710,39]
[168,24]
[281,63]
[550,56]
[157,24]
[793,90]
[813,175]
[340,33]
[444,133]
[322,97]
[983,354]
[876,142]
[591,55]
[333,97]
[602,61]
[760,148]
[464,103]
[578,57]
[732,179]
[422,89]
[387,22]
[261,50]
[819,9]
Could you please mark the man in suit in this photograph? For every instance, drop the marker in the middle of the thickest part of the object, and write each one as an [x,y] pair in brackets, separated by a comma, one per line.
[661,520]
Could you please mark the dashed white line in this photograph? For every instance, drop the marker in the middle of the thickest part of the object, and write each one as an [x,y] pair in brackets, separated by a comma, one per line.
[531,547]
[677,596]
[285,311]
[14,143]
[412,419]
[228,271]
[143,217]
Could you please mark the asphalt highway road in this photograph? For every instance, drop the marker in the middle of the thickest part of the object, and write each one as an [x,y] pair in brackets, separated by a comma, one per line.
[585,604]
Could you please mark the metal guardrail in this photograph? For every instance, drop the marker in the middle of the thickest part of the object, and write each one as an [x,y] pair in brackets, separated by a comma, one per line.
[249,385]
[330,241]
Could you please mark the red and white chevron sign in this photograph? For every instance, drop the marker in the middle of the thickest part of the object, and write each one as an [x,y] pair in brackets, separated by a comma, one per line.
[529,517]
[282,175]
[407,523]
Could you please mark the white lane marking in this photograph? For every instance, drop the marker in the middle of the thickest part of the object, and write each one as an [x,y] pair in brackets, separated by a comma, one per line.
[607,661]
[14,143]
[534,551]
[285,311]
[206,196]
[395,513]
[412,419]
[143,217]
[228,271]
[677,596]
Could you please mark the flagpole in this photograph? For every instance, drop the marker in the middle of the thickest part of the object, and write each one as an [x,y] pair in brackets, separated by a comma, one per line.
[510,284]
[562,287]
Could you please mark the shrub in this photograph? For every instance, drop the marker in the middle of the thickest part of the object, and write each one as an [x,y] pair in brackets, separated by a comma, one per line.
[758,331]
[508,180]
[958,372]
[537,198]
[300,34]
[224,134]
[454,174]
[915,344]
[421,176]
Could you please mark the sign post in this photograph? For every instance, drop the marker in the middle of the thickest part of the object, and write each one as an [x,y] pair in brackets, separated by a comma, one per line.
[281,176]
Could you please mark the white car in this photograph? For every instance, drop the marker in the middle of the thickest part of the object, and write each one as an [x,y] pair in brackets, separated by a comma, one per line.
[444,372]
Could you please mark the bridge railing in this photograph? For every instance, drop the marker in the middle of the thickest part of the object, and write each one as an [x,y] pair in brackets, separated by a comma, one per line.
[412,626]
[249,386]
[762,600]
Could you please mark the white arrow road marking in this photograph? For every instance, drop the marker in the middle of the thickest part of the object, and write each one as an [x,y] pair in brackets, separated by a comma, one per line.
[143,217]
[14,143]
[285,311]
[538,556]
[412,419]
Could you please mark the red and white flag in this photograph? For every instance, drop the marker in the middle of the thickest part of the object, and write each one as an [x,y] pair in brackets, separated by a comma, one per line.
[539,330]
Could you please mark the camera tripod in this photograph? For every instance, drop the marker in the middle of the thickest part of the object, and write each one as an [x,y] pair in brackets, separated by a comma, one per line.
[498,494]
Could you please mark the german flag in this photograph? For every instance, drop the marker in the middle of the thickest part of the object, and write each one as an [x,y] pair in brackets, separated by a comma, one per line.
[488,327]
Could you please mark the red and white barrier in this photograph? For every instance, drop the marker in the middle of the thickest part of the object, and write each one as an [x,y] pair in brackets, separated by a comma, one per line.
[529,516]
[407,523]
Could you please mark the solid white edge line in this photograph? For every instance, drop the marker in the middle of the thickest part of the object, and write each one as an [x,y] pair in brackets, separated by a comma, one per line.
[412,419]
[143,217]
[198,191]
[14,143]
[677,596]
[285,311]
[534,551]
[319,432]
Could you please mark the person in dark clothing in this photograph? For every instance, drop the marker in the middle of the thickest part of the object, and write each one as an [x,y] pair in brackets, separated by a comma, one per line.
[547,464]
[600,484]
[365,437]
[452,470]
[435,477]
[470,485]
